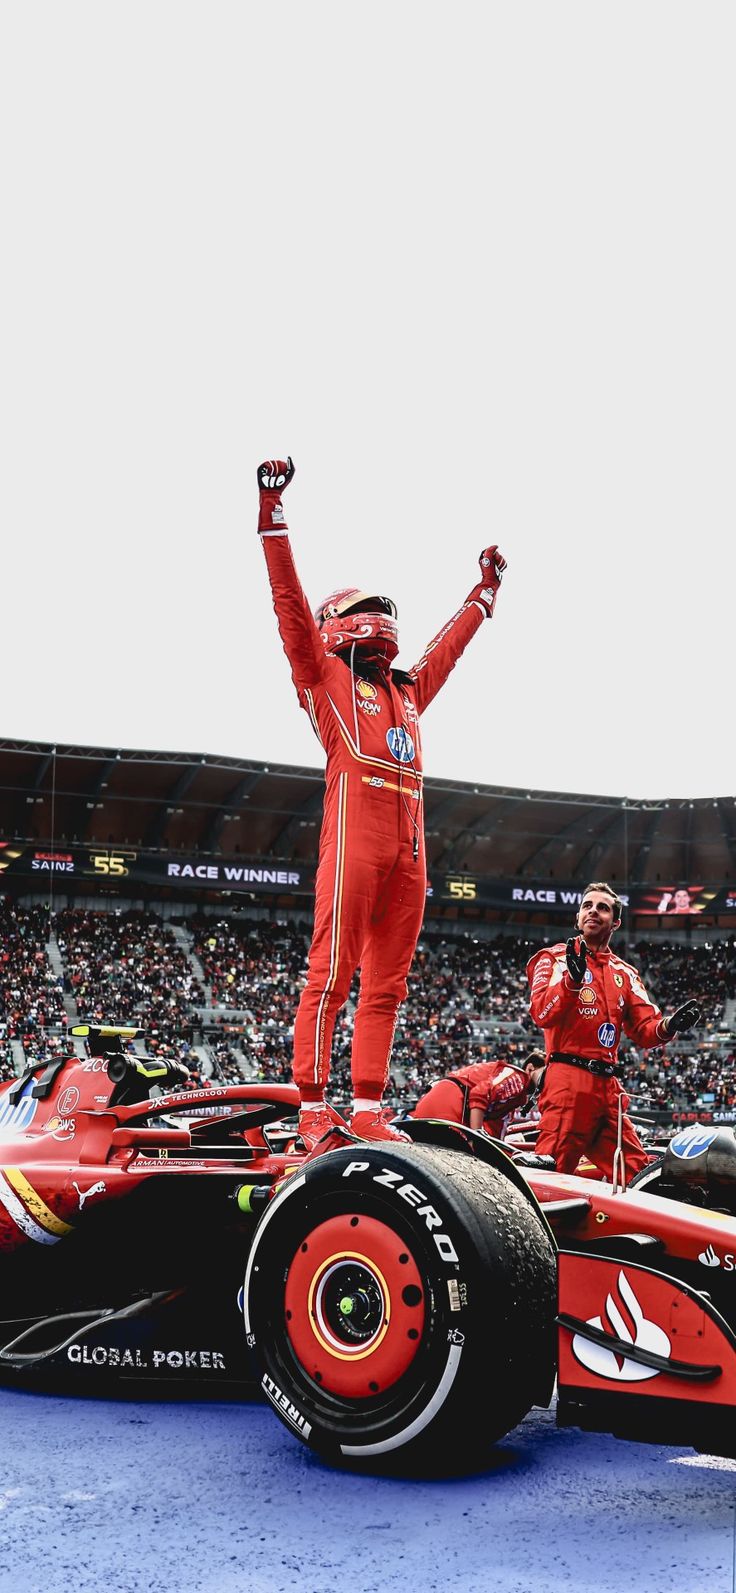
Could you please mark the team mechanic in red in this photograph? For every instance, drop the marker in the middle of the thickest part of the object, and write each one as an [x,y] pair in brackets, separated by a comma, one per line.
[371,880]
[482,1095]
[583,996]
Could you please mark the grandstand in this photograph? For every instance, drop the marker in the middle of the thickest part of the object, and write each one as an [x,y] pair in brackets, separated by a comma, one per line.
[175,891]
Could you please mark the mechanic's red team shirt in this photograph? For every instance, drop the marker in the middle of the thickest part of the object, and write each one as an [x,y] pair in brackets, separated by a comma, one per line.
[589,1020]
[365,720]
[494,1087]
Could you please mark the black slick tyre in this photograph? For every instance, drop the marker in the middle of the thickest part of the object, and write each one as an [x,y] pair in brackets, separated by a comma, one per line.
[401,1303]
[649,1177]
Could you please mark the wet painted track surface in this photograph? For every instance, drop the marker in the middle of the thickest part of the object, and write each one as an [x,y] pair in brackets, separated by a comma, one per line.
[217,1498]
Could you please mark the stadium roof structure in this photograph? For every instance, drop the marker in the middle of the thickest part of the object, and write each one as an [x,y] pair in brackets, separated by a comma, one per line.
[172,801]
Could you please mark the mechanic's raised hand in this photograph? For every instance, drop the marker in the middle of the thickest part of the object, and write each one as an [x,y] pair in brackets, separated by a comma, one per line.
[684,1018]
[273,476]
[576,956]
[492,565]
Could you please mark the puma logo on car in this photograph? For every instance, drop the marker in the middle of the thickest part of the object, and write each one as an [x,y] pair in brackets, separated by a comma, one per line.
[86,1194]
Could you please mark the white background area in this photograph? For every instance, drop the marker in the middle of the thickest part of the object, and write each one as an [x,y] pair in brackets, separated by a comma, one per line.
[473,266]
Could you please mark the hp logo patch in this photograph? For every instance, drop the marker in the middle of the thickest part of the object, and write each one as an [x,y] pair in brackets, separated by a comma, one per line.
[400,744]
[692,1141]
[607,1035]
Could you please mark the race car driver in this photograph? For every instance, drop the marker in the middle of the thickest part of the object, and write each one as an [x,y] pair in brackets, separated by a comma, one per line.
[371,880]
[484,1094]
[583,996]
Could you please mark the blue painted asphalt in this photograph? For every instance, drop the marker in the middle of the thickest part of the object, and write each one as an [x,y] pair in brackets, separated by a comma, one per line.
[99,1495]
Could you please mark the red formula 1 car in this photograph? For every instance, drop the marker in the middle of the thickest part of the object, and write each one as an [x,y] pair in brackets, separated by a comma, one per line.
[397,1305]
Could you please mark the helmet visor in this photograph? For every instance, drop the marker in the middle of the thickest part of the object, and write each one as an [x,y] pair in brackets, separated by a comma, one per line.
[365,603]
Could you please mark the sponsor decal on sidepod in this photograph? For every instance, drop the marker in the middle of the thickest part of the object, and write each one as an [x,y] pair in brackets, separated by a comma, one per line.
[710,1258]
[175,1360]
[692,1141]
[647,1336]
[14,1119]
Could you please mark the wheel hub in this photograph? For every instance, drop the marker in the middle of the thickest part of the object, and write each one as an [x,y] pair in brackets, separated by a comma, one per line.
[355,1306]
[353,1302]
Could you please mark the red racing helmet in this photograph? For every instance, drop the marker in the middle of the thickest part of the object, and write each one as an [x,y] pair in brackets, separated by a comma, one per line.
[353,618]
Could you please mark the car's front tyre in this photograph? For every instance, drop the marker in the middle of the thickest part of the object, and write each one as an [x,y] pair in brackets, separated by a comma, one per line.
[402,1305]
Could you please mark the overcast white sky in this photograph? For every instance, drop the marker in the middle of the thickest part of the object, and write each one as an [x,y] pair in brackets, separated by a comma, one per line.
[473,266]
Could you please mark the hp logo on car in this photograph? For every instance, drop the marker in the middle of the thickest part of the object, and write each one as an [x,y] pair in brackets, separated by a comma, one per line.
[693,1141]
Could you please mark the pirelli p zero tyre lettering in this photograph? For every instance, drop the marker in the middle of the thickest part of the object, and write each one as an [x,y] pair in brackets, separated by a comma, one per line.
[402,1304]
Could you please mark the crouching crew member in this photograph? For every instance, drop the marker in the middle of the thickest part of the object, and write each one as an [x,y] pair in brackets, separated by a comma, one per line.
[484,1094]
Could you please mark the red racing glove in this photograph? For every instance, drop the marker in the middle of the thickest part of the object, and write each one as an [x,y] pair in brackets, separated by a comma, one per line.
[273,476]
[492,565]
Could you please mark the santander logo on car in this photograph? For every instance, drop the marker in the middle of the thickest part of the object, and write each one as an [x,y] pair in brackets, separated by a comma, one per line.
[647,1335]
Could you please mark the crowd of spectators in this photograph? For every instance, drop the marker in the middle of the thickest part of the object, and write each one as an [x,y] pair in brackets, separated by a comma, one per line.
[236,982]
[31,994]
[128,968]
[665,1080]
[254,973]
[7,1062]
[687,1077]
[467,1001]
[225,1062]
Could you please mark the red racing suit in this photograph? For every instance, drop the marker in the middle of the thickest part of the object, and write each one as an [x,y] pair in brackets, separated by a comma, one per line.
[579,1109]
[371,881]
[495,1087]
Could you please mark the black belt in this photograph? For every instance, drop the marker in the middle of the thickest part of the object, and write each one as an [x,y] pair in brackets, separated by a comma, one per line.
[602,1070]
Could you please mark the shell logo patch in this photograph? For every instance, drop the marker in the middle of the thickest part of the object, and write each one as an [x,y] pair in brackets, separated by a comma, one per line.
[587,997]
[367,697]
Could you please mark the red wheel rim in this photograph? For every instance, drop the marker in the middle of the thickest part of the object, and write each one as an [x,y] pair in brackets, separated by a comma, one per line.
[355,1306]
